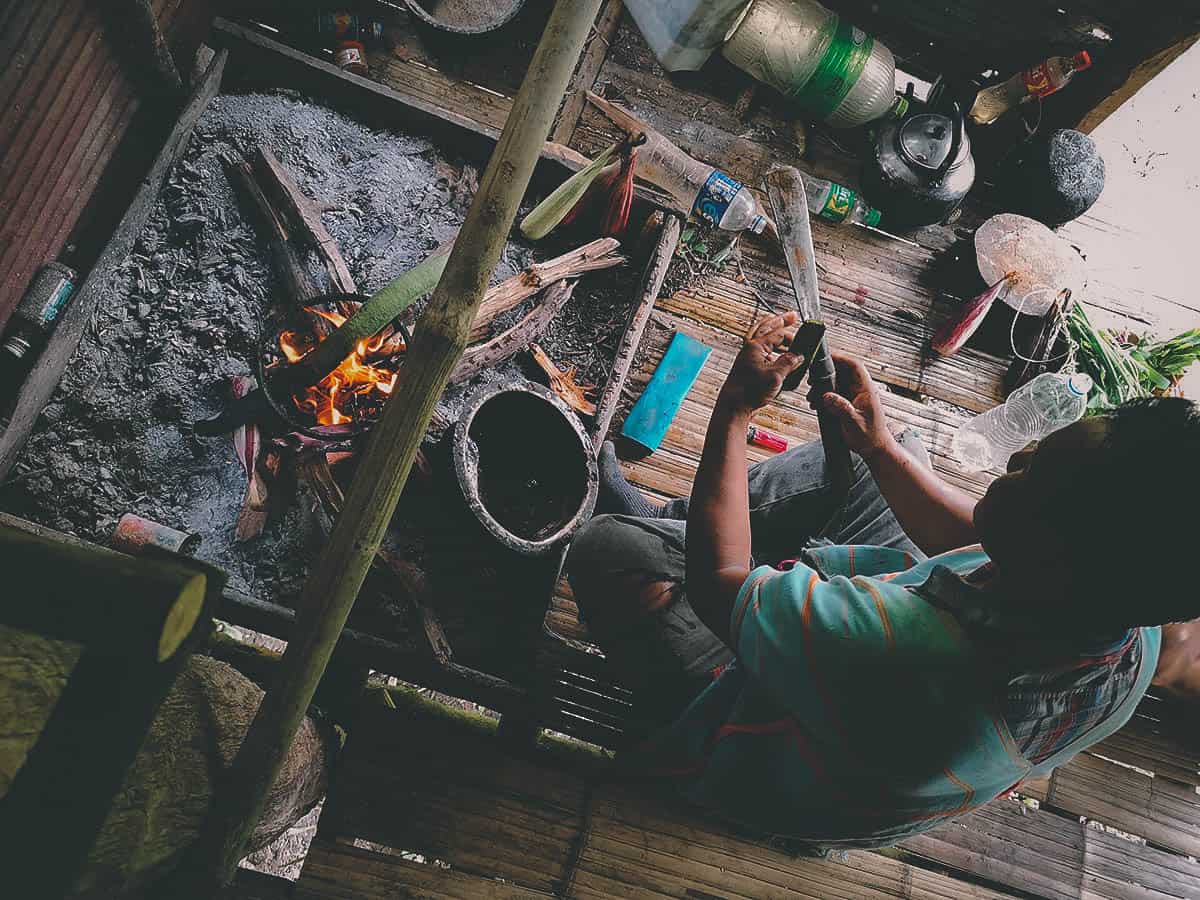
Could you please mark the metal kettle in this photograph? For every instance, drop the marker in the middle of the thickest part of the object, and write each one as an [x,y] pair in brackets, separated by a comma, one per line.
[921,168]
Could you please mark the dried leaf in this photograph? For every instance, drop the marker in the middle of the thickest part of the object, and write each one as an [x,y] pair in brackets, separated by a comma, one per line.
[563,383]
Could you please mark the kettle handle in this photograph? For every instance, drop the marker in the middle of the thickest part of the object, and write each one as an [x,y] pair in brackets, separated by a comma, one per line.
[960,124]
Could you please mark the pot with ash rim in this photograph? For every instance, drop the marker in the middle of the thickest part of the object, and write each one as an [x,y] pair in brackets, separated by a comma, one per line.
[525,466]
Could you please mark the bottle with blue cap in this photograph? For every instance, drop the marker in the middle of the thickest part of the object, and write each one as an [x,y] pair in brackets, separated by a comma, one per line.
[708,193]
[1044,405]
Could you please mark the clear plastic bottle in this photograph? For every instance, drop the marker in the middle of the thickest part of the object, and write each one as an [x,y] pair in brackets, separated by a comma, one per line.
[705,190]
[809,53]
[837,203]
[1047,403]
[1041,81]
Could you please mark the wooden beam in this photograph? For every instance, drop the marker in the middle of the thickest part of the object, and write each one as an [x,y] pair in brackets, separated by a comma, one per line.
[635,326]
[66,785]
[330,592]
[1138,78]
[44,378]
[133,26]
[119,605]
[590,64]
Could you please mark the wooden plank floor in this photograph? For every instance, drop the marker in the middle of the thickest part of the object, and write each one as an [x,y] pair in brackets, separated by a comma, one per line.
[482,824]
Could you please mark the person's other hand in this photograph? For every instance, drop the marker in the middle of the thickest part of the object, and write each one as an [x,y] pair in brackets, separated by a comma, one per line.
[857,407]
[758,372]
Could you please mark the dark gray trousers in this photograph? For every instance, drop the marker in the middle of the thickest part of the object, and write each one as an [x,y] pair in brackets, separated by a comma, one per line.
[668,656]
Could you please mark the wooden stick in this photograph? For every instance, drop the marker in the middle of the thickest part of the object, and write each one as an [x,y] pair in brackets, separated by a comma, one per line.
[331,590]
[298,283]
[635,326]
[302,217]
[563,383]
[514,340]
[599,254]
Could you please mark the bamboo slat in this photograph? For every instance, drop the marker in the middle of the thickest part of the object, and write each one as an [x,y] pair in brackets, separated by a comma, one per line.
[441,789]
[1054,856]
[1158,809]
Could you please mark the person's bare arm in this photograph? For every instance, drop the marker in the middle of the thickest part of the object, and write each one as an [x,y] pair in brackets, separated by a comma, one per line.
[718,525]
[935,515]
[1178,670]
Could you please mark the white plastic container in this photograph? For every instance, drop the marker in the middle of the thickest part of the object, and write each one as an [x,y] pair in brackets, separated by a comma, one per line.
[808,53]
[684,33]
[1044,405]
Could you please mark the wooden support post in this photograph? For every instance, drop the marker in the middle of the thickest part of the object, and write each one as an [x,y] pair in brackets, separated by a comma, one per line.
[138,621]
[133,26]
[330,592]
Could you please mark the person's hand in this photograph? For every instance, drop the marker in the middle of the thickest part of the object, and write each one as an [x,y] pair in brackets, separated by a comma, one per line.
[861,416]
[758,372]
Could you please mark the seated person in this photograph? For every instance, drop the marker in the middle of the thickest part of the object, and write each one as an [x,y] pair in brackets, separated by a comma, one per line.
[850,670]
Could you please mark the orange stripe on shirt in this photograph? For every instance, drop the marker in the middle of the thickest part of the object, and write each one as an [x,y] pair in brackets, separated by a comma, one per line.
[880,607]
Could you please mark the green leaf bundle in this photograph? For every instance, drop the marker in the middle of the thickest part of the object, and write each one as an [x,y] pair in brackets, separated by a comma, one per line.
[546,216]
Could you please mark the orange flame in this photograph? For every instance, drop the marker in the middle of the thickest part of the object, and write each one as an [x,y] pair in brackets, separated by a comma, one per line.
[328,400]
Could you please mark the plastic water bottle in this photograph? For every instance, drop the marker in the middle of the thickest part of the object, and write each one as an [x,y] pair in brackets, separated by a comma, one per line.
[709,193]
[810,54]
[837,203]
[1041,81]
[1047,403]
[684,33]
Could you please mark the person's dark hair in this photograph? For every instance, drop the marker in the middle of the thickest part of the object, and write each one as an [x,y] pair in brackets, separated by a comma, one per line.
[1135,506]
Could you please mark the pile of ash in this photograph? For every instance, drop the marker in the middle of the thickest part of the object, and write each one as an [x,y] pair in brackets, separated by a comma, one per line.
[183,316]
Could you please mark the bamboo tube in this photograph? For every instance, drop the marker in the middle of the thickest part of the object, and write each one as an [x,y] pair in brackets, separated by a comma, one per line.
[137,608]
[443,332]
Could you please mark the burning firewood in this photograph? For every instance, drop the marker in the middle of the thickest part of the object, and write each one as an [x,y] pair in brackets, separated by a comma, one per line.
[247,442]
[563,383]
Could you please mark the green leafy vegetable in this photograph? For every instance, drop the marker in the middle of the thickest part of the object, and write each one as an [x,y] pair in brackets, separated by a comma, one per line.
[1125,367]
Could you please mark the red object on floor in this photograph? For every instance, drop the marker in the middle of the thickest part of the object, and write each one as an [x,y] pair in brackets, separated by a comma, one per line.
[760,437]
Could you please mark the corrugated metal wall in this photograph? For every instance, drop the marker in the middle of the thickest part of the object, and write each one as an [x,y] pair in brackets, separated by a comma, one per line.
[66,101]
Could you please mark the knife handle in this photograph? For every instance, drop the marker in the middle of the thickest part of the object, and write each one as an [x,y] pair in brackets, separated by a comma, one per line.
[805,344]
[823,379]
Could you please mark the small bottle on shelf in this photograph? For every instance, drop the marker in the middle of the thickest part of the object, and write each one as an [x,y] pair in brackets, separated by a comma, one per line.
[1042,80]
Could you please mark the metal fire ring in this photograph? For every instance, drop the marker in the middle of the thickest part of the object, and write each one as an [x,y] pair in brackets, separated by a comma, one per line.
[470,486]
[489,16]
[284,409]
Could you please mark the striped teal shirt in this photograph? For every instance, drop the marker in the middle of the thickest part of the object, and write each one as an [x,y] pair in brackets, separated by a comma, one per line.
[859,710]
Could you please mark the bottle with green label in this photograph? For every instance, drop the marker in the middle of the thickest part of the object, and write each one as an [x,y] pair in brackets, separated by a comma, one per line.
[837,203]
[837,72]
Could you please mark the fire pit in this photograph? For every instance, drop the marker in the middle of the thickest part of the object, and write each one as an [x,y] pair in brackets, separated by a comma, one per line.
[525,466]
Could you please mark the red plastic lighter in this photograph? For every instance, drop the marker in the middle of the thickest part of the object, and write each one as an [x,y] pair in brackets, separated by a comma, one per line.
[760,437]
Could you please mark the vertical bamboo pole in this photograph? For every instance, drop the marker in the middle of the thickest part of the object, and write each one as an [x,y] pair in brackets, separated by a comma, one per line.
[331,590]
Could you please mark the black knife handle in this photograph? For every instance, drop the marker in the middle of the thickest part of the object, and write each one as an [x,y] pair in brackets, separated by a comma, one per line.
[823,379]
[805,344]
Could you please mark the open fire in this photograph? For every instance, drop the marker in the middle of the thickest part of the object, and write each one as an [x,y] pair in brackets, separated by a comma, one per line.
[354,389]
